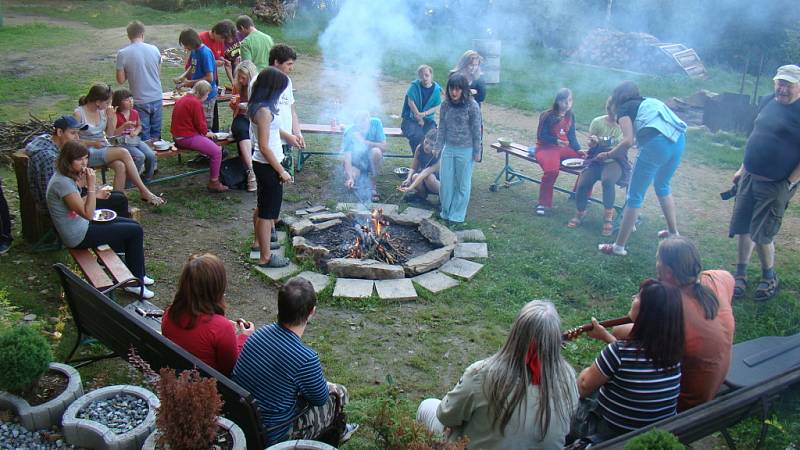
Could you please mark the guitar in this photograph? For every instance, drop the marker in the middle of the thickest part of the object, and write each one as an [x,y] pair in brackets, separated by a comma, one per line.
[573,333]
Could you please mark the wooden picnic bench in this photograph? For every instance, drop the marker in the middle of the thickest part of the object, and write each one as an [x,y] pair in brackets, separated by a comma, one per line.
[512,176]
[36,224]
[312,128]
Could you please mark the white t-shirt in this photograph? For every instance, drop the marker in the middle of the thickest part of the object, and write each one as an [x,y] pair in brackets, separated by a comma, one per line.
[274,141]
[285,103]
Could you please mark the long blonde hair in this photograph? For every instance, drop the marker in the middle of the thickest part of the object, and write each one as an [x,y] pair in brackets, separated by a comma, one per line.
[247,67]
[507,381]
[464,63]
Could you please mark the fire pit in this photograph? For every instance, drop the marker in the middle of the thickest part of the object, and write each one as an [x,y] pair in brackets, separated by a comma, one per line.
[374,245]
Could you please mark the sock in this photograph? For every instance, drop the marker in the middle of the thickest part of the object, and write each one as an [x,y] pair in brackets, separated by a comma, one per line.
[741,270]
[768,274]
[619,249]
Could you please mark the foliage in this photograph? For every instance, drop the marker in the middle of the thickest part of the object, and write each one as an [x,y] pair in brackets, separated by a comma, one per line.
[190,404]
[24,357]
[9,313]
[395,430]
[654,439]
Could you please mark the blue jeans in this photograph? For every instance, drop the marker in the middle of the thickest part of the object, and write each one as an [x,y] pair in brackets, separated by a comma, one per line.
[656,163]
[143,155]
[150,116]
[455,173]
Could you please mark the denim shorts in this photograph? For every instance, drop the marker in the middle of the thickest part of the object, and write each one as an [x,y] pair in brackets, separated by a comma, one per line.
[97,156]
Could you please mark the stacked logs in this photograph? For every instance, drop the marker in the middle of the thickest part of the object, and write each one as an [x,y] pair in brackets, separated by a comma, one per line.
[15,135]
[275,12]
[637,52]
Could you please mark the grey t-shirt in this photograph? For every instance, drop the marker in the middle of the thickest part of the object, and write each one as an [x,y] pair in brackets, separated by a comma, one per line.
[70,226]
[140,62]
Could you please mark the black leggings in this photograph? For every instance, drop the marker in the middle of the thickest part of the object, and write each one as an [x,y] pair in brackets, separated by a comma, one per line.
[608,173]
[414,132]
[240,128]
[123,235]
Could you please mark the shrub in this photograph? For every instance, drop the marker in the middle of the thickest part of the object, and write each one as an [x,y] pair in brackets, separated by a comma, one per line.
[24,357]
[190,404]
[654,439]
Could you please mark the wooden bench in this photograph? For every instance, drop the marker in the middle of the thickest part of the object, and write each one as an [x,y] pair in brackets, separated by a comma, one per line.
[96,315]
[512,176]
[311,128]
[36,224]
[103,268]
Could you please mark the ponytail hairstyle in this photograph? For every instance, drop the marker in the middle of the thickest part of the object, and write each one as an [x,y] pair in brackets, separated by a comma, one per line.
[680,255]
[99,92]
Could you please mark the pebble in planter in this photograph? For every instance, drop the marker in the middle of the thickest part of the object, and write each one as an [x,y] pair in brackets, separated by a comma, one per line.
[115,434]
[15,436]
[25,356]
[301,445]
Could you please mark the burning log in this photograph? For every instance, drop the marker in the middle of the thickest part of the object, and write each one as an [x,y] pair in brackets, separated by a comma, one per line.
[373,241]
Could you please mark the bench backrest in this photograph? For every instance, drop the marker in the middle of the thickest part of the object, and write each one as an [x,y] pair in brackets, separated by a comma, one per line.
[35,222]
[100,317]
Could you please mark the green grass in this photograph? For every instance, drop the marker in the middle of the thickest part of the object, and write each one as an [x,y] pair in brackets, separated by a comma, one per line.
[35,35]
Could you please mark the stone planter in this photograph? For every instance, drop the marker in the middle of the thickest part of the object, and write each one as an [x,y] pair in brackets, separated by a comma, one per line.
[301,445]
[49,413]
[239,442]
[91,434]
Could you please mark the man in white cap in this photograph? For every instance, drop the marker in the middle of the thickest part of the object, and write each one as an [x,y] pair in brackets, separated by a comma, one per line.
[766,181]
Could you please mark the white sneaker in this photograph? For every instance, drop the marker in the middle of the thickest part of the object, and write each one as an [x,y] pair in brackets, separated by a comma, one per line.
[136,290]
[148,281]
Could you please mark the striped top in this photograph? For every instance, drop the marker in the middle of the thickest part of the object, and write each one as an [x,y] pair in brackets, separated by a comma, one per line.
[637,393]
[276,367]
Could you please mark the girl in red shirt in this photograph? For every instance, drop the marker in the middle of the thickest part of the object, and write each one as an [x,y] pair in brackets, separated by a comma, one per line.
[129,128]
[190,131]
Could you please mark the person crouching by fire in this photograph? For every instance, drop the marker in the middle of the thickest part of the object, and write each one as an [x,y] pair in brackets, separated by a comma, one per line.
[363,145]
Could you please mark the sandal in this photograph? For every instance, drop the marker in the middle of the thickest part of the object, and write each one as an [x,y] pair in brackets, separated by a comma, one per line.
[540,210]
[272,246]
[739,286]
[608,249]
[275,262]
[154,200]
[766,289]
[608,228]
[577,220]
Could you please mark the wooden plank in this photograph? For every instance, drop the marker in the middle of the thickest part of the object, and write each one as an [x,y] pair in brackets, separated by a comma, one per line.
[118,269]
[91,269]
[521,151]
[314,128]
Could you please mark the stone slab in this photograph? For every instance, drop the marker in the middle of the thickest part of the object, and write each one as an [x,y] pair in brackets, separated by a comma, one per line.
[472,250]
[301,212]
[353,288]
[287,220]
[257,254]
[461,268]
[471,235]
[388,208]
[402,289]
[305,249]
[325,225]
[437,233]
[301,227]
[369,269]
[282,236]
[315,209]
[279,273]
[418,212]
[428,261]
[325,216]
[318,280]
[435,281]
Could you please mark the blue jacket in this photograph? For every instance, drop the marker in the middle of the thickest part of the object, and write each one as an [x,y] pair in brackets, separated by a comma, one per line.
[653,113]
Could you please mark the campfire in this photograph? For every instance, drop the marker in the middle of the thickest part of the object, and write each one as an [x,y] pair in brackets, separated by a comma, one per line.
[373,241]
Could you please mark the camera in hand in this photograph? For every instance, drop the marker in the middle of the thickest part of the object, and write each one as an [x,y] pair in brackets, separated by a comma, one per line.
[729,194]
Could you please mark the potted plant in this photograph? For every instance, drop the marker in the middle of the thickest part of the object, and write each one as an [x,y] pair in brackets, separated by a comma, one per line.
[37,389]
[654,439]
[188,417]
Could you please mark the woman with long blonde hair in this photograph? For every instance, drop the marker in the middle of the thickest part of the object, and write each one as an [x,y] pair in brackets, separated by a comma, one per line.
[246,73]
[521,397]
[469,65]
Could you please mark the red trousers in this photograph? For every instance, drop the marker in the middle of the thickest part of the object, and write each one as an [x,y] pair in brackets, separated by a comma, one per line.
[549,158]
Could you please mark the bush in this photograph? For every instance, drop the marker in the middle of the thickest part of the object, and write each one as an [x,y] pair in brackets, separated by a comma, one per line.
[24,357]
[654,439]
[190,404]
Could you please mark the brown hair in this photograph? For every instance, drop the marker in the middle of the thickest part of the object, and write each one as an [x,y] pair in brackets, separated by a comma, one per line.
[225,28]
[658,329]
[99,92]
[464,63]
[625,91]
[135,29]
[296,300]
[119,96]
[71,151]
[683,259]
[561,95]
[243,22]
[201,289]
[189,38]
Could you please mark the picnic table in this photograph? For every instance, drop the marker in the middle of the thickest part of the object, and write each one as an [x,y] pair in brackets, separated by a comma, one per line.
[169,98]
[312,128]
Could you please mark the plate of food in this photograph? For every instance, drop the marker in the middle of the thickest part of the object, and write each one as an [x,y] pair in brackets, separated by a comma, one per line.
[222,135]
[573,163]
[162,145]
[402,171]
[505,142]
[104,215]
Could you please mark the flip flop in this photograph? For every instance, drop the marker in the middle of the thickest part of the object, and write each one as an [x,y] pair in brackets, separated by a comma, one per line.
[576,221]
[608,249]
[154,200]
[766,289]
[276,261]
[739,286]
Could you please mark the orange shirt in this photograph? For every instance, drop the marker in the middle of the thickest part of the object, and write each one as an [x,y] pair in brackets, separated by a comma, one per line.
[707,355]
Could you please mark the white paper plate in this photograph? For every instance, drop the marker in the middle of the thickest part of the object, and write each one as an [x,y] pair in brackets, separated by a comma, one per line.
[162,145]
[104,215]
[222,135]
[573,163]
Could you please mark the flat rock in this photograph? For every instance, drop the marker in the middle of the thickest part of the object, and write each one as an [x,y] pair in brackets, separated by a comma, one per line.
[428,261]
[322,217]
[461,268]
[402,289]
[472,250]
[318,280]
[435,281]
[353,288]
[257,254]
[288,220]
[437,233]
[315,209]
[301,227]
[388,208]
[279,273]
[369,269]
[326,225]
[411,216]
[305,249]
[470,235]
[301,212]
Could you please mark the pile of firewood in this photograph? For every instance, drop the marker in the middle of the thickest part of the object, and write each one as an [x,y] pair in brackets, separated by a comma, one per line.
[173,56]
[15,135]
[275,12]
[637,52]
